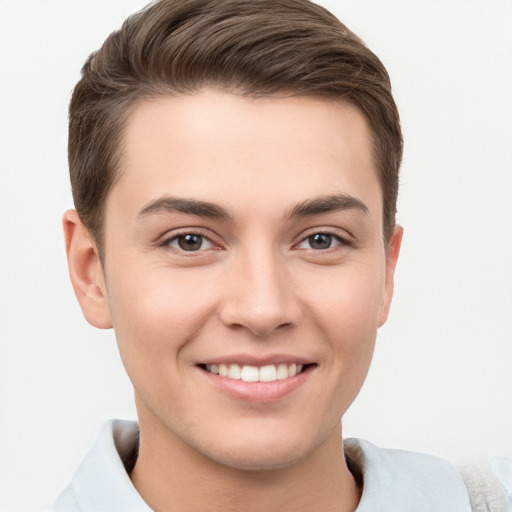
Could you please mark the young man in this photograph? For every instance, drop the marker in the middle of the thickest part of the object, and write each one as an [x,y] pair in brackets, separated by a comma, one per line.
[234,167]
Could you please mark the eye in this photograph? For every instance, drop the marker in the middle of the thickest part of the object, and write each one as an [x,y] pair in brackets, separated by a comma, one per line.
[322,241]
[189,242]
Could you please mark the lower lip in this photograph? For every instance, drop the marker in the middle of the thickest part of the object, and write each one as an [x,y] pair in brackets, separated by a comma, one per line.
[264,392]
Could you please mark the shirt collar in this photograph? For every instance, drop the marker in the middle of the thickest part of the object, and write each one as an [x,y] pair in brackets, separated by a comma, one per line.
[101,482]
[393,480]
[401,481]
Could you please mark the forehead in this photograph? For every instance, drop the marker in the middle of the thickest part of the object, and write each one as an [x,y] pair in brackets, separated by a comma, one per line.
[239,151]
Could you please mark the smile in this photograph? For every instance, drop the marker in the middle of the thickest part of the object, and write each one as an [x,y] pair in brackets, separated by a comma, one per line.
[267,373]
[244,378]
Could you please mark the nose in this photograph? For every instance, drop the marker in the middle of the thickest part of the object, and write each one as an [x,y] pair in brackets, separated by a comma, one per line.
[259,295]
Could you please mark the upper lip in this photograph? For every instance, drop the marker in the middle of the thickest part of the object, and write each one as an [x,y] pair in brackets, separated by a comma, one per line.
[257,360]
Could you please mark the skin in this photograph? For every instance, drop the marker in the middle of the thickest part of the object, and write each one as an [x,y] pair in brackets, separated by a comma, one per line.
[257,287]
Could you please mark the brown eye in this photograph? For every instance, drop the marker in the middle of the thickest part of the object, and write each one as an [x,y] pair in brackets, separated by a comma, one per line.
[320,241]
[190,242]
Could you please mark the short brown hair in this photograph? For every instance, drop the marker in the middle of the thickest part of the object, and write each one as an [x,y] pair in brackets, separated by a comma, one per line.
[248,47]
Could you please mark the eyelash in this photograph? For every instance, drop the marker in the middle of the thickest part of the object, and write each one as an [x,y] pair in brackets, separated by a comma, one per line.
[341,240]
[167,243]
[333,237]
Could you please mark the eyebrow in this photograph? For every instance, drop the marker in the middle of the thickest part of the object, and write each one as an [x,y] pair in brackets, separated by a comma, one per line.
[309,207]
[327,204]
[182,205]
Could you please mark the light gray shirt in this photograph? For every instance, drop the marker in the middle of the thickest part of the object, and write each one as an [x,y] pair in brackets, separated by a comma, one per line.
[393,480]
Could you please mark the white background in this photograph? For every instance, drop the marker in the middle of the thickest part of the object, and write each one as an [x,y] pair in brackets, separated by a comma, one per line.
[441,380]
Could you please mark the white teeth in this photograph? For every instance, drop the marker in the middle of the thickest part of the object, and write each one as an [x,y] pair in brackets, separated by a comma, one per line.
[267,373]
[234,371]
[250,374]
[282,372]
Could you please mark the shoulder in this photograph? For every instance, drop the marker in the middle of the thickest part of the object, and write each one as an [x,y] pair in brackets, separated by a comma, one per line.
[399,480]
[489,483]
[102,482]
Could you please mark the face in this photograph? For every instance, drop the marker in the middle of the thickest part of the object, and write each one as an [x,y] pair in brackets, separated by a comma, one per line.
[245,271]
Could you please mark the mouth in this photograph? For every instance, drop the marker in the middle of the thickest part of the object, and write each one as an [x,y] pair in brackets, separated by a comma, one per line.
[248,373]
[266,381]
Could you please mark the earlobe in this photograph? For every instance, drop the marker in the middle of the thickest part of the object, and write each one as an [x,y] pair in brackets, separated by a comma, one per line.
[392,252]
[86,272]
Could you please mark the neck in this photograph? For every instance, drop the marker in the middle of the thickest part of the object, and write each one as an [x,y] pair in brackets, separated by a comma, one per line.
[172,476]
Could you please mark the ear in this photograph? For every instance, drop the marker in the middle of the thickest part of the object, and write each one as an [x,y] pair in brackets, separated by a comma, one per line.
[392,252]
[86,272]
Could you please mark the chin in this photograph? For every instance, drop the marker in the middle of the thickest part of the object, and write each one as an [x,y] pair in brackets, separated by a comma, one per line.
[255,460]
[261,454]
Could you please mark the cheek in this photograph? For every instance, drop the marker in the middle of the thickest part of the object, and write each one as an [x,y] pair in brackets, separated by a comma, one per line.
[157,314]
[347,313]
[348,302]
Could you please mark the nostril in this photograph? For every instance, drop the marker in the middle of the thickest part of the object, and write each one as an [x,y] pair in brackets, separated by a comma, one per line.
[261,307]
